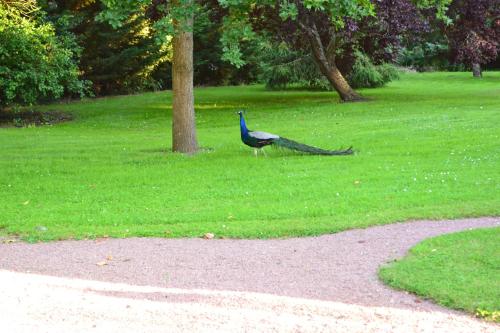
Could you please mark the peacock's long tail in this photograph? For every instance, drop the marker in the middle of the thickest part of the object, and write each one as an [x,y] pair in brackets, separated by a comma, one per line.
[290,144]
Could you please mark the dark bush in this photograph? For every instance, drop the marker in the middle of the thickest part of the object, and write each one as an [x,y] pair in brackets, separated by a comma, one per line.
[365,74]
[281,67]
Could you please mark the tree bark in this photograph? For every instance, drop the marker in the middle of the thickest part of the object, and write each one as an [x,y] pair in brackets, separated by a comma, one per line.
[183,120]
[325,59]
[340,84]
[476,70]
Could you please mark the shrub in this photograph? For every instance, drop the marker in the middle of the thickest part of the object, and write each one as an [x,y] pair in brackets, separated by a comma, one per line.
[281,67]
[389,72]
[365,74]
[34,64]
[427,56]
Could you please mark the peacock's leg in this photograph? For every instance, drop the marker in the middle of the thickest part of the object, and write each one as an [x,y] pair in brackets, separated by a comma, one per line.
[255,152]
[263,151]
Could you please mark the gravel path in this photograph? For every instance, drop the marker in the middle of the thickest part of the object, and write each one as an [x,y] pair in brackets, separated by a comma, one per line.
[327,280]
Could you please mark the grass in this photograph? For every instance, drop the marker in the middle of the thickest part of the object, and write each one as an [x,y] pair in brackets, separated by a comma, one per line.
[428,147]
[458,270]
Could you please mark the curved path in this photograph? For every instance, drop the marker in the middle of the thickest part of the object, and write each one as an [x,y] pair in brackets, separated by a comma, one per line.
[328,280]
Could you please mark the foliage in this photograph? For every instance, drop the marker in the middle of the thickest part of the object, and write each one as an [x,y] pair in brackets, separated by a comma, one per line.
[469,36]
[389,72]
[426,148]
[35,64]
[365,74]
[281,67]
[382,36]
[425,56]
[286,20]
[120,60]
[329,30]
[169,16]
[458,270]
[246,21]
[475,33]
[209,68]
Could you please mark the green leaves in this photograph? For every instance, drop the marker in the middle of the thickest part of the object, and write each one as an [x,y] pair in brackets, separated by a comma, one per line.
[288,10]
[440,5]
[175,14]
[35,64]
[118,11]
[339,10]
[237,28]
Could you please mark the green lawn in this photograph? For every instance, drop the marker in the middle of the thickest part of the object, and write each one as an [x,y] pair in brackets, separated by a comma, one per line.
[428,147]
[460,270]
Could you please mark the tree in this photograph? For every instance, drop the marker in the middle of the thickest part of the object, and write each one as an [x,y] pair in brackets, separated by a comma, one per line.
[382,35]
[177,21]
[35,65]
[316,22]
[475,32]
[183,121]
[116,61]
[376,39]
[319,22]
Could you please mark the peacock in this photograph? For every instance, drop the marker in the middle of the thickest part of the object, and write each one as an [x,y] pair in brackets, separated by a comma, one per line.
[258,140]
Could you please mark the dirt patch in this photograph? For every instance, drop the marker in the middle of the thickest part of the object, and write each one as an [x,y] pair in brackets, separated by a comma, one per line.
[33,118]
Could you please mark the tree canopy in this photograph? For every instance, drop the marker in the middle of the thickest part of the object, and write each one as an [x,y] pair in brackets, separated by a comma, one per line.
[126,46]
[475,32]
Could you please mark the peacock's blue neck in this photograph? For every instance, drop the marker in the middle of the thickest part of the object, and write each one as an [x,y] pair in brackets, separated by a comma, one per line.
[243,127]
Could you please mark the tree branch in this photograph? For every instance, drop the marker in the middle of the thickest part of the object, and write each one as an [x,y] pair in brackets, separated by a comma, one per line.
[332,46]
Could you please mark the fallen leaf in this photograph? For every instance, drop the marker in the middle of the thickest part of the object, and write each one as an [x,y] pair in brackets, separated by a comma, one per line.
[102,263]
[8,241]
[110,257]
[208,235]
[26,202]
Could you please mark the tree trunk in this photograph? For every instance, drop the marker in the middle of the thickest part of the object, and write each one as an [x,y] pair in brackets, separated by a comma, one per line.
[340,84]
[476,70]
[183,120]
[325,59]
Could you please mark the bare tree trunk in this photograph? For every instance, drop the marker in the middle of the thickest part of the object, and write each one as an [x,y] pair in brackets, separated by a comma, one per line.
[340,84]
[183,120]
[476,70]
